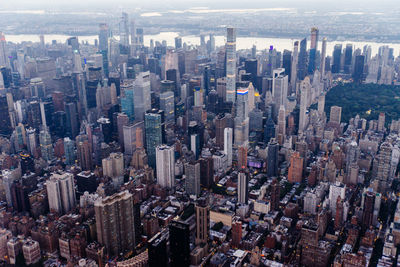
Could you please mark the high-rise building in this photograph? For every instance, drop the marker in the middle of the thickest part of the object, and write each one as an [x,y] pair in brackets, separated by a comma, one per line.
[115,222]
[103,37]
[358,74]
[157,246]
[313,50]
[242,120]
[335,114]
[368,209]
[242,156]
[127,99]
[220,125]
[272,158]
[192,179]
[381,167]
[46,146]
[336,190]
[69,151]
[295,173]
[305,90]
[5,121]
[281,124]
[142,99]
[31,251]
[381,122]
[206,171]
[228,138]
[348,56]
[279,89]
[230,49]
[84,152]
[165,162]
[124,30]
[275,194]
[179,242]
[167,104]
[243,190]
[153,123]
[293,74]
[61,192]
[302,61]
[236,232]
[323,57]
[337,55]
[113,167]
[202,221]
[3,51]
[178,42]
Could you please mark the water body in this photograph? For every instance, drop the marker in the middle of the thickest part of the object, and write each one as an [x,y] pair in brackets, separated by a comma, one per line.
[241,43]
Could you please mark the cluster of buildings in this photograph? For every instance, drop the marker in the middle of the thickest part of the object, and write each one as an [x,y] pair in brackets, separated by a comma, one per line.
[121,154]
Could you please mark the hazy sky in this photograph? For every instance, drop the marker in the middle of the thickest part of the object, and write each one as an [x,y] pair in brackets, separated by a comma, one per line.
[181,4]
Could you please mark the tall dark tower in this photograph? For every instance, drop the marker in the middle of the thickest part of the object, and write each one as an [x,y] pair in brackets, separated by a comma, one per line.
[179,242]
[302,63]
[358,74]
[337,54]
[157,246]
[5,128]
[313,50]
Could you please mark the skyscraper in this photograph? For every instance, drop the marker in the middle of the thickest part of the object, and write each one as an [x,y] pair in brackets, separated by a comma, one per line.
[279,89]
[69,150]
[202,221]
[3,51]
[5,121]
[230,48]
[127,99]
[295,173]
[157,245]
[323,56]
[192,179]
[179,241]
[46,146]
[242,117]
[228,138]
[142,99]
[337,55]
[167,104]
[348,56]
[243,190]
[272,158]
[293,74]
[302,62]
[115,222]
[313,49]
[165,160]
[335,114]
[153,121]
[281,124]
[358,74]
[124,30]
[61,192]
[305,90]
[84,152]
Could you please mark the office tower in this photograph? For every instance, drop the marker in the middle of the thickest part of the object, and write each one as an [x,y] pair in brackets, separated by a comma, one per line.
[5,121]
[358,74]
[132,137]
[198,97]
[381,167]
[167,104]
[281,125]
[61,192]
[236,232]
[31,251]
[165,162]
[84,152]
[295,173]
[153,122]
[122,120]
[251,66]
[287,63]
[127,99]
[335,114]
[37,87]
[192,179]
[69,150]
[179,242]
[157,247]
[31,140]
[293,74]
[321,104]
[202,221]
[178,42]
[142,97]
[230,48]
[348,56]
[323,58]
[72,119]
[228,138]
[339,213]
[103,36]
[3,51]
[242,117]
[46,146]
[336,190]
[206,171]
[279,88]
[313,50]
[243,190]
[220,124]
[124,30]
[337,55]
[269,130]
[368,209]
[272,158]
[115,222]
[305,90]
[275,194]
[302,61]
